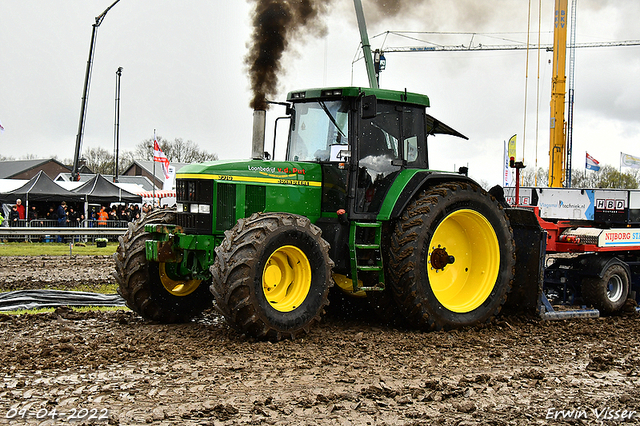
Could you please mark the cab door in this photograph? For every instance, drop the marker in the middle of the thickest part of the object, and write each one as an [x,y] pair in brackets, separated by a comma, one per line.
[390,141]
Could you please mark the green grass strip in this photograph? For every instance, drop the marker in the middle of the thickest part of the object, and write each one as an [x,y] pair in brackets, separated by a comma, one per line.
[55,249]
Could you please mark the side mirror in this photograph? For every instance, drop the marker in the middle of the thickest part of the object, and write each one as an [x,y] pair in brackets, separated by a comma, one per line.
[369,107]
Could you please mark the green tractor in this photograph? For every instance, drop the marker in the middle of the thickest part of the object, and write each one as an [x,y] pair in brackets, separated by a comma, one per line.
[354,203]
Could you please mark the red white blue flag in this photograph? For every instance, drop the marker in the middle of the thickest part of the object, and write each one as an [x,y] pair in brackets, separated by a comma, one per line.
[592,163]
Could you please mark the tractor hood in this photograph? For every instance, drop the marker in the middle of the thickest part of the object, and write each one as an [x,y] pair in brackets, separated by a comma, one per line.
[255,171]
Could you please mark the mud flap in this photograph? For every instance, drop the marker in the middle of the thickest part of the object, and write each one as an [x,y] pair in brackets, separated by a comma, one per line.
[524,298]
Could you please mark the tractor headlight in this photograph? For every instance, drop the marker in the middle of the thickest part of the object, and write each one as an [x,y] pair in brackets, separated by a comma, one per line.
[193,208]
[204,208]
[179,207]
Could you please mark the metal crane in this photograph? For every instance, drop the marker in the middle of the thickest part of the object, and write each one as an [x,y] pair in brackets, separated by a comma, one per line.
[75,175]
[557,143]
[489,47]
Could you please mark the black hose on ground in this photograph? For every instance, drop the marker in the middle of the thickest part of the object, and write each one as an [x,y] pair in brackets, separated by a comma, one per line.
[34,299]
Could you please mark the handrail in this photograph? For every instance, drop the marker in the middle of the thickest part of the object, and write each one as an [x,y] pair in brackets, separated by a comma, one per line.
[67,230]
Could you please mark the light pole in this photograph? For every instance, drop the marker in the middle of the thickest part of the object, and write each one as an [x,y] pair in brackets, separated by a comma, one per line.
[116,130]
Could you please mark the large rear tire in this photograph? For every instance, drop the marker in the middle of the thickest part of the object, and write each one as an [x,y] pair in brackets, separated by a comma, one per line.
[609,293]
[272,275]
[451,257]
[152,289]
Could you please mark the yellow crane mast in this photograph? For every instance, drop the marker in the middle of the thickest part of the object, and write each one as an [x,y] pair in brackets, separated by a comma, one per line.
[557,141]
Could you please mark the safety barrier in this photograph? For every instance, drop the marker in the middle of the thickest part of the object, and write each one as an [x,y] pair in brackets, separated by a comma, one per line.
[47,223]
[90,223]
[59,234]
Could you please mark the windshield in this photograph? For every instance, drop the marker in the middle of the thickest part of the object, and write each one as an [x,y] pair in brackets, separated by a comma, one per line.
[315,128]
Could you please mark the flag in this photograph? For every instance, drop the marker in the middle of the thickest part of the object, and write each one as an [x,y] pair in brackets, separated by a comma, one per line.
[158,156]
[508,173]
[629,161]
[512,147]
[592,163]
[170,182]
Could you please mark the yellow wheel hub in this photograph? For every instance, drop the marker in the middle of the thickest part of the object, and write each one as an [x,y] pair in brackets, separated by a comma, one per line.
[286,278]
[175,286]
[463,261]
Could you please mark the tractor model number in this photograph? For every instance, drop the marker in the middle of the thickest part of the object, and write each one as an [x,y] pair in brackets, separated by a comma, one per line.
[293,182]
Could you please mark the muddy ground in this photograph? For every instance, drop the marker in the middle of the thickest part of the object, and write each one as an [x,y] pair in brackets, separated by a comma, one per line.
[346,371]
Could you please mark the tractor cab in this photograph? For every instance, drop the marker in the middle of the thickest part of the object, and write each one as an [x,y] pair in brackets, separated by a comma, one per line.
[363,138]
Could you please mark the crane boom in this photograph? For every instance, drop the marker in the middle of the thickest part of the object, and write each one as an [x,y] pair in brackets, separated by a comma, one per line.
[85,93]
[366,46]
[490,47]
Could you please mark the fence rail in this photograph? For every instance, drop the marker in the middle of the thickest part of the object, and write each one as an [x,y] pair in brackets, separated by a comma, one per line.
[46,223]
[17,232]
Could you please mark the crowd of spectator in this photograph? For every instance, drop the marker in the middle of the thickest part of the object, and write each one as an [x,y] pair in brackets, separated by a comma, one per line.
[63,214]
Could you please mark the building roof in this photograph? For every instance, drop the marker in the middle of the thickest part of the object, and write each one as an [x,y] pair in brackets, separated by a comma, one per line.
[12,168]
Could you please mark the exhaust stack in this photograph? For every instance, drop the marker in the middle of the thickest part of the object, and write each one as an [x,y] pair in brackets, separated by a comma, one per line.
[257,145]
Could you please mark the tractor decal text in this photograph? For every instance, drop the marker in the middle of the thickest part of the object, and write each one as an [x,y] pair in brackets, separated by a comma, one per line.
[254,179]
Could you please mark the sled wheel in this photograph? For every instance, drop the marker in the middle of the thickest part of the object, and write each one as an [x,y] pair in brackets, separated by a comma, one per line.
[452,257]
[151,289]
[609,293]
[272,275]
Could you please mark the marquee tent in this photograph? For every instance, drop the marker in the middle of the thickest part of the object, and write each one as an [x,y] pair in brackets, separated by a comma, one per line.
[40,188]
[100,190]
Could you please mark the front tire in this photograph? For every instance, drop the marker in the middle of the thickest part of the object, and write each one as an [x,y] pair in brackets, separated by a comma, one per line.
[452,258]
[151,289]
[609,293]
[271,275]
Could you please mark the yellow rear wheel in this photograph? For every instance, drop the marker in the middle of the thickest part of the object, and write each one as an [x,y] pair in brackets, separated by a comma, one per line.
[451,257]
[464,260]
[286,278]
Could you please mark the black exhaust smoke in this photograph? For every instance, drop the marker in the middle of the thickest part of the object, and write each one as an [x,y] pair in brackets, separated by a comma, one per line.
[278,23]
[275,23]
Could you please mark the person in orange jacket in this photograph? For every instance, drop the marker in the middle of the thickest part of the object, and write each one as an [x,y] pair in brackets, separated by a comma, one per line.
[103,216]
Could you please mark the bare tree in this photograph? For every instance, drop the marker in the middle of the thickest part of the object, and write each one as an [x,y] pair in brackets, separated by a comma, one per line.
[177,150]
[610,177]
[607,177]
[529,176]
[99,160]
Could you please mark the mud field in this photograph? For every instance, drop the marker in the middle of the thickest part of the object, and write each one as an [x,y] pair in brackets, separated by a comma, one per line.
[115,367]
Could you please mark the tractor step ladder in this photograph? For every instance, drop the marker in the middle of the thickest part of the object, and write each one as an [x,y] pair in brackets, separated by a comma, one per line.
[370,249]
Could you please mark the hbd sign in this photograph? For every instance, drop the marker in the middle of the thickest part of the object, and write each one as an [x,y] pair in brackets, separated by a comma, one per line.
[610,204]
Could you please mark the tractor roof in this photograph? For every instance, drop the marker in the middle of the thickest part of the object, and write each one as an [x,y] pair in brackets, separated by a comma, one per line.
[342,92]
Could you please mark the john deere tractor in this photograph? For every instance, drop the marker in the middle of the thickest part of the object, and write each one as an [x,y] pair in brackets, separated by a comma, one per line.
[353,203]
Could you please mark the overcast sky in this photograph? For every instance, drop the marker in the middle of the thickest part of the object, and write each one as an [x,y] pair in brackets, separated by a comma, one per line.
[184,75]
